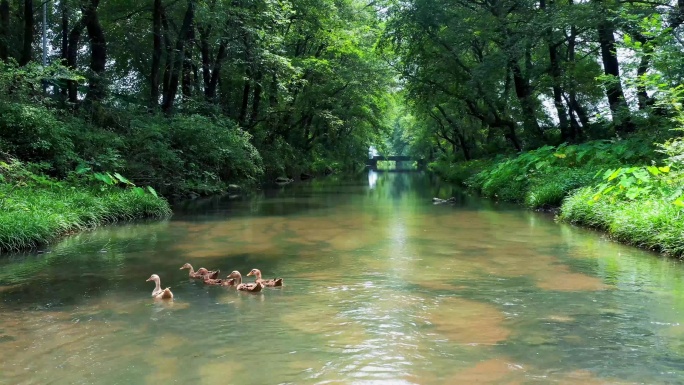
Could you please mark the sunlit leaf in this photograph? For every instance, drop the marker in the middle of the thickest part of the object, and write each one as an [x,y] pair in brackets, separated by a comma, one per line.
[615,174]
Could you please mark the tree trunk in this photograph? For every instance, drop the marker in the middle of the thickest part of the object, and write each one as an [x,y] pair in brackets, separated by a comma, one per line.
[523,91]
[64,51]
[156,53]
[256,99]
[206,58]
[458,133]
[643,99]
[187,85]
[27,48]
[245,98]
[168,53]
[98,51]
[210,91]
[183,36]
[611,67]
[573,105]
[72,56]
[4,30]
[556,73]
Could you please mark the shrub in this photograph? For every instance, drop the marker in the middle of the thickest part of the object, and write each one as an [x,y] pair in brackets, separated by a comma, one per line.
[549,189]
[34,134]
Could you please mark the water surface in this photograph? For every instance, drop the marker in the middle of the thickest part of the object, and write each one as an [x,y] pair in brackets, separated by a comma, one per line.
[382,286]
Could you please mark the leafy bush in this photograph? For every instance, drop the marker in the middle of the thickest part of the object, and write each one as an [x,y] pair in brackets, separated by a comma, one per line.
[190,153]
[549,189]
[542,177]
[34,134]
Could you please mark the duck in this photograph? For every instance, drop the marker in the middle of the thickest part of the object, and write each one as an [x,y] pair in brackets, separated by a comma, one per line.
[219,282]
[250,287]
[158,293]
[266,282]
[201,272]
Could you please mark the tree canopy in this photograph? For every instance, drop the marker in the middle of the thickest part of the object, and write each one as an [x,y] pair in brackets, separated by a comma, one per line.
[301,79]
[484,76]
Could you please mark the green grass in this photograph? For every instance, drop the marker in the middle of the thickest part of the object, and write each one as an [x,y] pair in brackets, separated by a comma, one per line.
[651,222]
[31,216]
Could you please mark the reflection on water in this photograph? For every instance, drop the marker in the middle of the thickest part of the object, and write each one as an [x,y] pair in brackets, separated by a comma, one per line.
[381,286]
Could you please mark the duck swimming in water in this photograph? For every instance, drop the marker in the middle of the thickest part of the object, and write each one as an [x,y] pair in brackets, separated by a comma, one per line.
[201,272]
[266,282]
[250,287]
[158,293]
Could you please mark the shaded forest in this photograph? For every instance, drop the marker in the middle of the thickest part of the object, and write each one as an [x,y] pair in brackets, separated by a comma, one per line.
[190,95]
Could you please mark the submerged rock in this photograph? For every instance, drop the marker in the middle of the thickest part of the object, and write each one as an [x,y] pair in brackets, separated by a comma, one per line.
[439,201]
[283,180]
[305,176]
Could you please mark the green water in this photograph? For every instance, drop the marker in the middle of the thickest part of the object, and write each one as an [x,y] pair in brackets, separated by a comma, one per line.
[382,287]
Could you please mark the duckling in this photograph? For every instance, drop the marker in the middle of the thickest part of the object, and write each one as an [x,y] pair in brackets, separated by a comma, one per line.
[158,293]
[266,282]
[250,287]
[201,272]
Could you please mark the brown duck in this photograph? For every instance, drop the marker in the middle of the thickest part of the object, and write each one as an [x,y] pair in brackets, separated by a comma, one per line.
[158,293]
[201,272]
[219,282]
[266,282]
[250,287]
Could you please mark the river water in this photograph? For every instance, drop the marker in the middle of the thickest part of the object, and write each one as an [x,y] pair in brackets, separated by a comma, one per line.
[381,287]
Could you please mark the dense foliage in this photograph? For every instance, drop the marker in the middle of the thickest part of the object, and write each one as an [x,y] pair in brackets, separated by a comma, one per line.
[492,77]
[191,95]
[551,103]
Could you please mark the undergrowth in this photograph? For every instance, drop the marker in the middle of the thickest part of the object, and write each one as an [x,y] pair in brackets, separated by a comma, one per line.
[36,209]
[541,178]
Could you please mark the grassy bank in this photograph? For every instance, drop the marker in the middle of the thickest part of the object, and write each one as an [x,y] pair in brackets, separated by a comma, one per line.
[35,209]
[626,187]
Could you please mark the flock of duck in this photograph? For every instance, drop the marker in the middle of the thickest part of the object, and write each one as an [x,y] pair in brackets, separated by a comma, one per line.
[211,278]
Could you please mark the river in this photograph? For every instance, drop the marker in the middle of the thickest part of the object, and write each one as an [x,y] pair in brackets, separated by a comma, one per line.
[381,287]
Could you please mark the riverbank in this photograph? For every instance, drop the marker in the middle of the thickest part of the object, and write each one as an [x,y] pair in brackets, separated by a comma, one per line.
[36,209]
[624,187]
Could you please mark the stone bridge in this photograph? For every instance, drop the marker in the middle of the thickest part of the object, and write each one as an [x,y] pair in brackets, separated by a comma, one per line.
[372,163]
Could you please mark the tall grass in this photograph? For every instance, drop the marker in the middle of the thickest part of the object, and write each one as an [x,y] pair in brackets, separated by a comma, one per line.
[31,216]
[650,222]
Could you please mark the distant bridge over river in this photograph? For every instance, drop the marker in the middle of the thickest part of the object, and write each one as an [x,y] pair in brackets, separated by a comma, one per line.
[400,160]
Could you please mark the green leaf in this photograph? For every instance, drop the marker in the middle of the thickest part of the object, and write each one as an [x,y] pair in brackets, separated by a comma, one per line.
[679,202]
[104,178]
[82,169]
[653,170]
[642,175]
[632,193]
[152,191]
[138,191]
[627,182]
[122,179]
[664,169]
[615,174]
